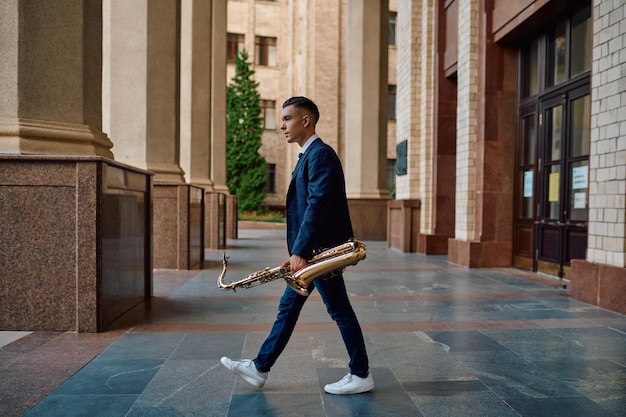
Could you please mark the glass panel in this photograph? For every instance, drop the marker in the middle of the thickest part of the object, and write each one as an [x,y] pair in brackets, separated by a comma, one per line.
[269,114]
[529,139]
[552,206]
[393,17]
[579,195]
[272,60]
[580,126]
[554,121]
[526,196]
[581,42]
[391,102]
[556,55]
[530,73]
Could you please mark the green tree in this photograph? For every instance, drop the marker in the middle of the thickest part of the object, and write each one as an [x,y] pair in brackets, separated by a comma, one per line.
[245,167]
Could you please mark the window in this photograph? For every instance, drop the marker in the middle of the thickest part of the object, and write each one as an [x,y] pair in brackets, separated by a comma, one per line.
[393,17]
[558,56]
[270,173]
[581,38]
[391,177]
[269,114]
[234,45]
[391,102]
[265,51]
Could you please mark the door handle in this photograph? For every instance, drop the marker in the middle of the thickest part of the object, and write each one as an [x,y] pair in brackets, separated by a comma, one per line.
[555,224]
[583,224]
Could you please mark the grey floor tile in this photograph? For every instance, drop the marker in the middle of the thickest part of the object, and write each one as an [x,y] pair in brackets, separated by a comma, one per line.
[143,345]
[463,341]
[111,377]
[447,388]
[558,407]
[510,376]
[189,387]
[278,405]
[455,407]
[211,346]
[83,406]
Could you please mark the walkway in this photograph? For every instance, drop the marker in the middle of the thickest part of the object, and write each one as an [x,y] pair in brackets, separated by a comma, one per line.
[443,341]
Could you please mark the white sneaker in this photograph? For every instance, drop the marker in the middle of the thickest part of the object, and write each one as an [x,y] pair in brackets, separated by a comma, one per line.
[245,369]
[351,384]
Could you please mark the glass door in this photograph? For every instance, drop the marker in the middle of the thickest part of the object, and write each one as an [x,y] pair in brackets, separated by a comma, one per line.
[552,146]
[563,181]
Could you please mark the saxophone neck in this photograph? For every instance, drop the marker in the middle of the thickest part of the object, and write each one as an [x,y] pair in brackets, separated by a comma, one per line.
[220,280]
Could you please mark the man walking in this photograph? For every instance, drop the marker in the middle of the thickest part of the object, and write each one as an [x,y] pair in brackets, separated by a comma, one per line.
[317,218]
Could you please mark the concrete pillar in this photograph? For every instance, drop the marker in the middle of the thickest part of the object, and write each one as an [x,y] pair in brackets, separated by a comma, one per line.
[409,44]
[217,156]
[366,99]
[140,84]
[50,72]
[485,137]
[196,91]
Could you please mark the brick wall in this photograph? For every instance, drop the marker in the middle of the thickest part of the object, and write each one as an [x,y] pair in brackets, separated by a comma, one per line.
[607,172]
[467,119]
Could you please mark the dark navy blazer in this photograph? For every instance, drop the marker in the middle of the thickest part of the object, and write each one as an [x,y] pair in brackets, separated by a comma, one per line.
[317,209]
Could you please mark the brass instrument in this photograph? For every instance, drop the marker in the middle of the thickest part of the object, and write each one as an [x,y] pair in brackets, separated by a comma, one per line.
[323,262]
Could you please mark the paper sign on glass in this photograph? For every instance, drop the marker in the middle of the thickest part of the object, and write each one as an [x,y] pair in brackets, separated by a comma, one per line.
[528,183]
[553,188]
[580,200]
[580,177]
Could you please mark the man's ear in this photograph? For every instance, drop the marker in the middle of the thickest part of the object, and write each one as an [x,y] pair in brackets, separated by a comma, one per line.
[306,120]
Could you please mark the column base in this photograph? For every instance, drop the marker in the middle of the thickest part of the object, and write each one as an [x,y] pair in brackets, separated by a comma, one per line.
[480,254]
[432,244]
[403,224]
[76,241]
[598,284]
[369,218]
[178,213]
[215,220]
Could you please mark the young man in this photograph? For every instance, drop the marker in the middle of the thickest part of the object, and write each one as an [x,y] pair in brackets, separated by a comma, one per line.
[317,218]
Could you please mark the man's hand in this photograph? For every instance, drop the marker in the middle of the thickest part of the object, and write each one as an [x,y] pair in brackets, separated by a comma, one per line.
[294,263]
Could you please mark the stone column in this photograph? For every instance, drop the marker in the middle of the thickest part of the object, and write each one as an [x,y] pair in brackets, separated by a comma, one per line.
[196,91]
[403,213]
[366,117]
[467,120]
[141,93]
[75,237]
[218,98]
[50,71]
[366,99]
[408,97]
[485,137]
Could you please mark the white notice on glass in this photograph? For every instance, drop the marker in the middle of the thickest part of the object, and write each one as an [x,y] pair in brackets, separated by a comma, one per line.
[528,183]
[580,200]
[579,177]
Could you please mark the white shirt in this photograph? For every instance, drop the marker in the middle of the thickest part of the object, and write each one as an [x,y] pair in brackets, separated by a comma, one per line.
[307,144]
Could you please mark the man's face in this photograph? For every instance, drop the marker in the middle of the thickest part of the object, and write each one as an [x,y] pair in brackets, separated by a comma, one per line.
[295,125]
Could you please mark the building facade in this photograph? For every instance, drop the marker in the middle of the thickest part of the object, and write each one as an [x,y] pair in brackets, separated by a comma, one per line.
[514,113]
[507,132]
[307,48]
[508,136]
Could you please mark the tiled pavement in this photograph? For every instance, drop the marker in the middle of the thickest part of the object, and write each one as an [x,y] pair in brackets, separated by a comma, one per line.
[443,341]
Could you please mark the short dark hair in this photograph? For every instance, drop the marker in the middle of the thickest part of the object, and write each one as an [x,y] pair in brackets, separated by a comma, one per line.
[306,104]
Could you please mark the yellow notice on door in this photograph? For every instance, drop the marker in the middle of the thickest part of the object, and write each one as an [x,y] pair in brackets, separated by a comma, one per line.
[553,188]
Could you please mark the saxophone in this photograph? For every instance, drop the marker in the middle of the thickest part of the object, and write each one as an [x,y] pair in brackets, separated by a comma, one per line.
[324,262]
